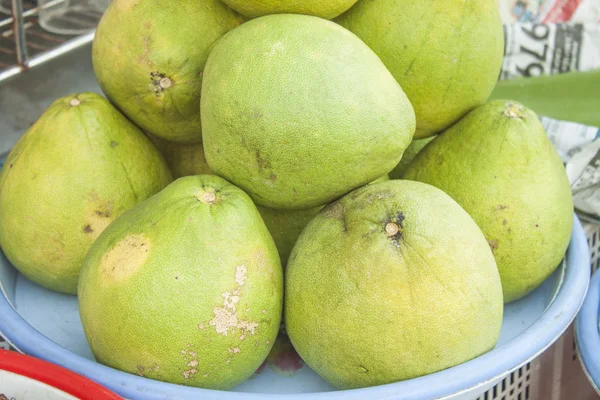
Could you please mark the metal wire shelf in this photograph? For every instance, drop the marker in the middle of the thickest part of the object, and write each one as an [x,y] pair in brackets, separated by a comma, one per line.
[25,44]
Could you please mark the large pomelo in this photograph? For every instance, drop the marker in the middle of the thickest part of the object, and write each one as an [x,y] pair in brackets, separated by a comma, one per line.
[319,8]
[72,173]
[149,58]
[500,166]
[184,159]
[446,54]
[297,111]
[391,282]
[185,288]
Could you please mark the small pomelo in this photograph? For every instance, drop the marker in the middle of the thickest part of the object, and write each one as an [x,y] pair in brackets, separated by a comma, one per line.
[72,173]
[184,159]
[298,111]
[500,166]
[391,282]
[446,55]
[319,8]
[149,58]
[185,288]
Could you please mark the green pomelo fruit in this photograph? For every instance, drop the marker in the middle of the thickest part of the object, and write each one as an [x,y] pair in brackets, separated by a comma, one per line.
[500,166]
[149,58]
[447,55]
[184,159]
[391,282]
[319,8]
[411,152]
[286,225]
[72,173]
[185,288]
[297,111]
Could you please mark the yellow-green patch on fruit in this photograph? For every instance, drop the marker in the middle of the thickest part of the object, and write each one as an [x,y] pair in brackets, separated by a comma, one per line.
[391,282]
[184,159]
[298,111]
[149,58]
[500,166]
[446,55]
[319,8]
[72,173]
[185,288]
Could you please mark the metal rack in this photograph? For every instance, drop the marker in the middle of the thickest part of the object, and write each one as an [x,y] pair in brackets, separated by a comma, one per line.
[25,44]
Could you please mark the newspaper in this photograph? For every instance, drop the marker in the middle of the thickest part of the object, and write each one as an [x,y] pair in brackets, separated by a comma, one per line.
[579,148]
[533,49]
[550,11]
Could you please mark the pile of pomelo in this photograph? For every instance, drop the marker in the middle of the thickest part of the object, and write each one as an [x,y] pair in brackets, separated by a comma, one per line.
[282,127]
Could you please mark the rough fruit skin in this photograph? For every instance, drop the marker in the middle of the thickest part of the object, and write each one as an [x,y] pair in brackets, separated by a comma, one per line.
[411,152]
[286,226]
[185,288]
[319,8]
[446,55]
[364,308]
[71,174]
[149,57]
[500,166]
[184,159]
[297,111]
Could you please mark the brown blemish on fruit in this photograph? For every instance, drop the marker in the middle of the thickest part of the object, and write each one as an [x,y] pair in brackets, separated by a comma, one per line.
[493,245]
[334,210]
[240,275]
[125,258]
[379,196]
[113,144]
[513,111]
[88,229]
[225,318]
[187,374]
[99,214]
[504,222]
[201,326]
[191,360]
[234,350]
[263,164]
[143,371]
[502,207]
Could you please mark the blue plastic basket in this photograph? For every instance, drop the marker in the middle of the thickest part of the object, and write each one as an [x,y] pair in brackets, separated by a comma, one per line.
[587,333]
[531,326]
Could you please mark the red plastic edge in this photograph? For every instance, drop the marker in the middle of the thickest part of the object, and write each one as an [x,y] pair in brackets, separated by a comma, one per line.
[60,378]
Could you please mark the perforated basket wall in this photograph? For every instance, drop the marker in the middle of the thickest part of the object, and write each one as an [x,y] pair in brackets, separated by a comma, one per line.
[556,374]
